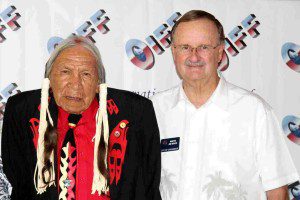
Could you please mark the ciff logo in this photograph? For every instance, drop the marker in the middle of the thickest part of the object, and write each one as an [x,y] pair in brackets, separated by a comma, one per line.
[290,53]
[141,54]
[234,42]
[5,93]
[294,191]
[8,18]
[291,127]
[97,21]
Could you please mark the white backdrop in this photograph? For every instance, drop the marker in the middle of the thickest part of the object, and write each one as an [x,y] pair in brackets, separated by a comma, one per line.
[267,60]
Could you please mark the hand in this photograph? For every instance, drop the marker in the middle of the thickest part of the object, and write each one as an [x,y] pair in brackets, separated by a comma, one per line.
[278,193]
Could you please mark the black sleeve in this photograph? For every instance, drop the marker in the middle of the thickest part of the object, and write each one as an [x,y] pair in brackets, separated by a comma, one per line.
[14,160]
[151,153]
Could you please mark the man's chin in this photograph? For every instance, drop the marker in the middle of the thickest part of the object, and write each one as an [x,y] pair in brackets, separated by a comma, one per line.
[74,108]
[195,68]
[77,112]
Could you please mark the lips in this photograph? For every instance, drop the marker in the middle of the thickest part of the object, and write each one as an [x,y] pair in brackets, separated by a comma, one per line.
[195,66]
[73,98]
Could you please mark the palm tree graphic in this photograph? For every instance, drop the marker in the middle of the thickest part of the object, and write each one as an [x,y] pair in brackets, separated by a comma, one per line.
[219,187]
[167,186]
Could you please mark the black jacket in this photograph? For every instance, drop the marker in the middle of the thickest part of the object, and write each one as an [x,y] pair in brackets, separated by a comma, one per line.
[140,176]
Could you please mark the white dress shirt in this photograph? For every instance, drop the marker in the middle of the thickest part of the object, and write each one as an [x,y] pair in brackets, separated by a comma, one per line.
[232,147]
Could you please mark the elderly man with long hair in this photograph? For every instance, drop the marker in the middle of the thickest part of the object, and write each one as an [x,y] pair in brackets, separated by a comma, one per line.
[77,139]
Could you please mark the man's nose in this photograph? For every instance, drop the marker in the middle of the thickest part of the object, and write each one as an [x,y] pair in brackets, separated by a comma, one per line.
[75,81]
[194,56]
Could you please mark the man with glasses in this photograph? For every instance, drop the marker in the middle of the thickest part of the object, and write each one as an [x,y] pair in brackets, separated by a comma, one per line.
[218,141]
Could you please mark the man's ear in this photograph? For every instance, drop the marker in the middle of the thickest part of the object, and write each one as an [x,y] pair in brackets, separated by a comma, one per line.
[98,87]
[220,51]
[173,52]
[49,81]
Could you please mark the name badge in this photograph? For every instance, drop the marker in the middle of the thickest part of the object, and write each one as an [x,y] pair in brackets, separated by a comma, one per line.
[169,144]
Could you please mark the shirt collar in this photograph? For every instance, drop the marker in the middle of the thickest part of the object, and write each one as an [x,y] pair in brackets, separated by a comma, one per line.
[219,96]
[87,115]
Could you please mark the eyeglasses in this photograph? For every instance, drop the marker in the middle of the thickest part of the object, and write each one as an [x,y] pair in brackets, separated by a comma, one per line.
[201,49]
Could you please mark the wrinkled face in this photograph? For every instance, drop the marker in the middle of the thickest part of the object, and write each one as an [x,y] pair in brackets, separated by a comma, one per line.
[200,65]
[74,79]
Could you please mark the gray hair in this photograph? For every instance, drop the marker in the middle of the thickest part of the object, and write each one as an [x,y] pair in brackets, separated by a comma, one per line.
[194,15]
[44,173]
[71,41]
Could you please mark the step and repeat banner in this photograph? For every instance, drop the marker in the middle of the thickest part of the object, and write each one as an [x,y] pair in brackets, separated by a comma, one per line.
[262,48]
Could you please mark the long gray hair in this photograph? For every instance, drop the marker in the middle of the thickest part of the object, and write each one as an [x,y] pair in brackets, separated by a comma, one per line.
[44,175]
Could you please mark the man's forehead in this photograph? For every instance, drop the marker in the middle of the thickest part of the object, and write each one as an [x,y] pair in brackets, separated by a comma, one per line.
[76,57]
[195,29]
[77,52]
